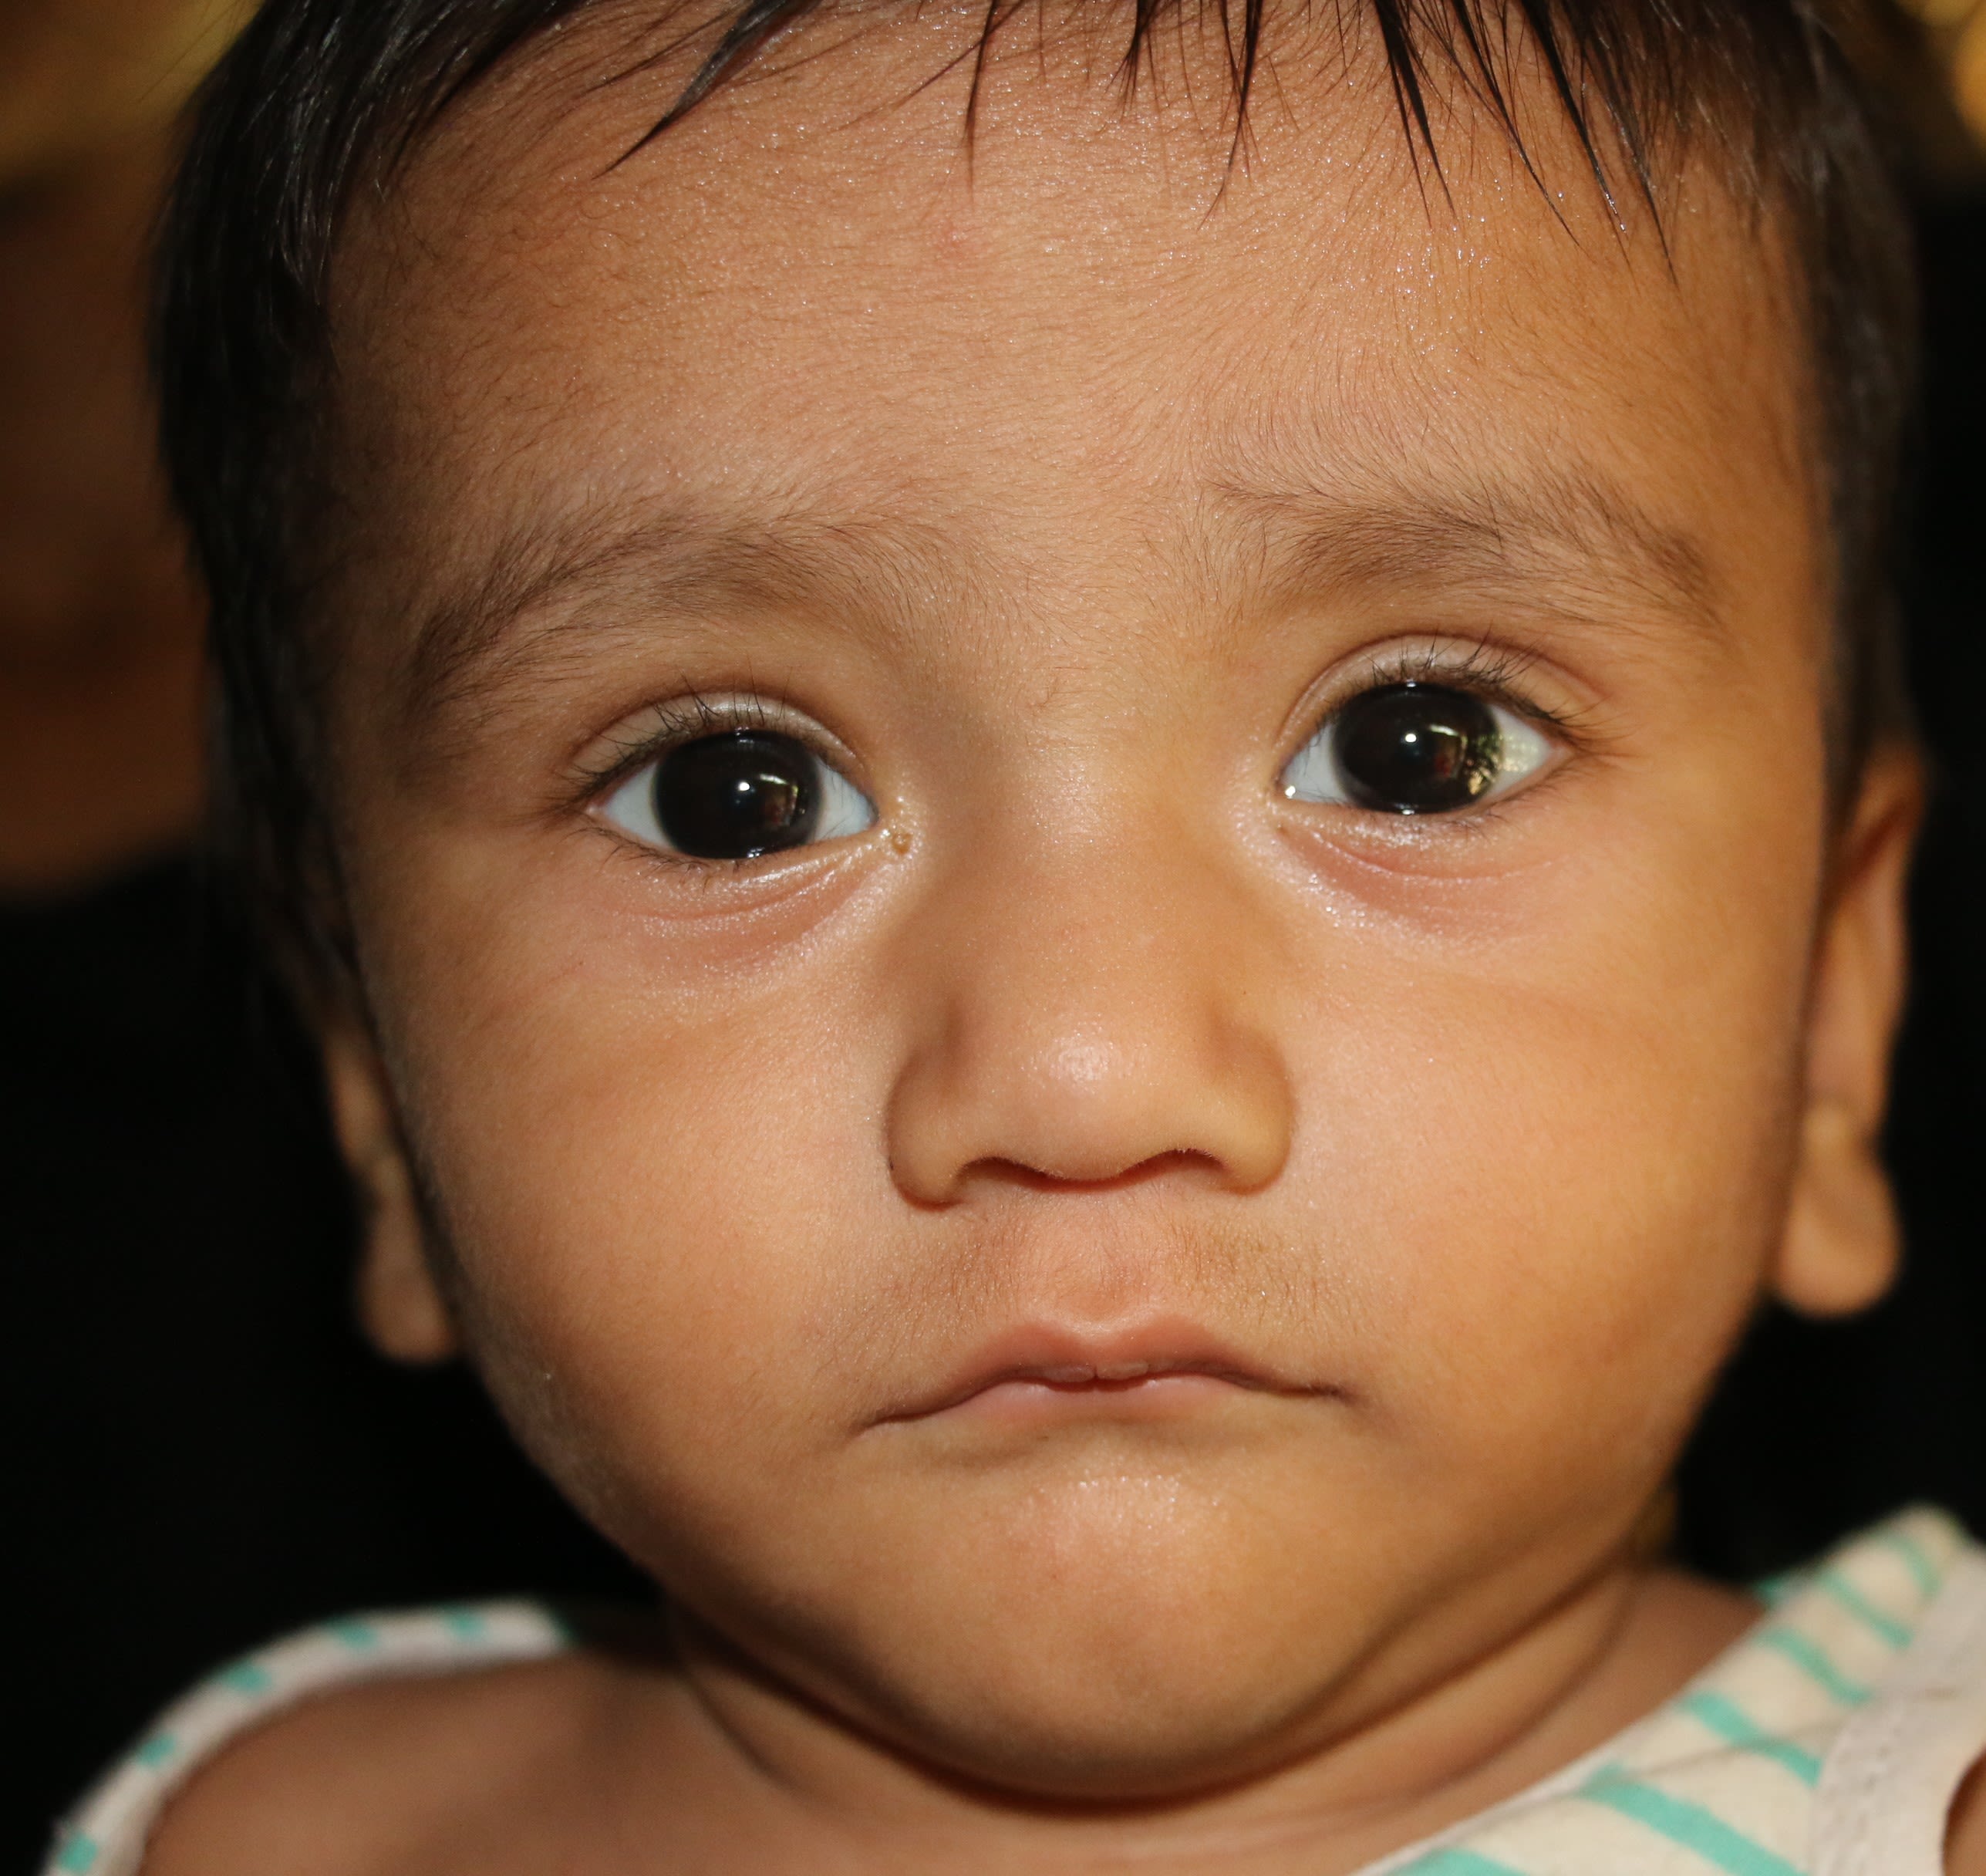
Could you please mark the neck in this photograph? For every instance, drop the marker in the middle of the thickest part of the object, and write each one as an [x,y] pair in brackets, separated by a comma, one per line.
[1558,1687]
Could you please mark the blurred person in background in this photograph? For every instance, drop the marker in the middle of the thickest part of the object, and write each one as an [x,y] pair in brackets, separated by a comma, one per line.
[199,1456]
[203,1455]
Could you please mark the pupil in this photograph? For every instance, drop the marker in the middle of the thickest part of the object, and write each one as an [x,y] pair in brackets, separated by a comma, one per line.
[735,796]
[1417,749]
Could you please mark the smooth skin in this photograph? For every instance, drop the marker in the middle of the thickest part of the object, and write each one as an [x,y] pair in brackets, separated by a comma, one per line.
[1057,494]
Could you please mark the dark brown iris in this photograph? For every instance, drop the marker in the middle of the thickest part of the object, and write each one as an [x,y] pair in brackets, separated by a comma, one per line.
[1417,749]
[737,796]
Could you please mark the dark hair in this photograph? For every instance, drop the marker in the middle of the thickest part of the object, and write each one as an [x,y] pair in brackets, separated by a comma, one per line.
[318,95]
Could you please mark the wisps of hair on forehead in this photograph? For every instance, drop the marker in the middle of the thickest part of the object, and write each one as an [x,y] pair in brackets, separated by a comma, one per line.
[1632,78]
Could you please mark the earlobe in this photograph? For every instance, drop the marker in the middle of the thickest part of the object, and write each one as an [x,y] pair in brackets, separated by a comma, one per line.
[400,1305]
[1841,1246]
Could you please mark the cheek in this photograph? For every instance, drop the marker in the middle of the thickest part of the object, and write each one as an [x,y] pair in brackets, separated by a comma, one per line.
[661,1178]
[1563,1149]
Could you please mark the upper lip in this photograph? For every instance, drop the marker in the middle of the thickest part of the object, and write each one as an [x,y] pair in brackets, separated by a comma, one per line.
[1065,1358]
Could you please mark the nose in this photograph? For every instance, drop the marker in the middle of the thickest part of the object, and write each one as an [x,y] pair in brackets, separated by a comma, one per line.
[1085,1016]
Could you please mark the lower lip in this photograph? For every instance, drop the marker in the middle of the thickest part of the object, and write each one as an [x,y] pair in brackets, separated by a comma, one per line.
[1041,1403]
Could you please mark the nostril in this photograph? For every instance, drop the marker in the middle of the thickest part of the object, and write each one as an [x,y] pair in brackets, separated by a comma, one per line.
[994,1169]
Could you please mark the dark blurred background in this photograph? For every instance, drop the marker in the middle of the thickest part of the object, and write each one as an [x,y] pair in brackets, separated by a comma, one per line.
[204,1454]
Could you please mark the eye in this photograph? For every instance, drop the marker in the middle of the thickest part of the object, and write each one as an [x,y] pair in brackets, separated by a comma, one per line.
[1417,749]
[736,795]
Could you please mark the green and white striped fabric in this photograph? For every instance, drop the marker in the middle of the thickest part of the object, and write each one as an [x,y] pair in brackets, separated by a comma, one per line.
[1827,1742]
[1781,1759]
[106,1834]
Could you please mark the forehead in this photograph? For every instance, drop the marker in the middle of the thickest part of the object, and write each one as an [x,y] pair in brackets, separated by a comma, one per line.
[818,296]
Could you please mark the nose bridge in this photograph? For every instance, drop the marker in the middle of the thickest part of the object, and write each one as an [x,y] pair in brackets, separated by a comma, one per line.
[1085,965]
[1087,1008]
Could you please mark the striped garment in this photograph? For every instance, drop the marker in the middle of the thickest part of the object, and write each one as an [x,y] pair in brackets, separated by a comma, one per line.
[1828,1741]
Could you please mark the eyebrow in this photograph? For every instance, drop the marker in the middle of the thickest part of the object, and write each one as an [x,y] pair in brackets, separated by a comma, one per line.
[1570,531]
[679,561]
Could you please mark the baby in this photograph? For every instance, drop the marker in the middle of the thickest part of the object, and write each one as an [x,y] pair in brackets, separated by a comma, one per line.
[1098,815]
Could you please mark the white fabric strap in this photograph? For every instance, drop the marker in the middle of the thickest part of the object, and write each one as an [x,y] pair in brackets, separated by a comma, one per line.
[106,1835]
[1886,1791]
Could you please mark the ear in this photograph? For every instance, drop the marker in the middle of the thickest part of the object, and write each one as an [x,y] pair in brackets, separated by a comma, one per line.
[400,1305]
[1841,1247]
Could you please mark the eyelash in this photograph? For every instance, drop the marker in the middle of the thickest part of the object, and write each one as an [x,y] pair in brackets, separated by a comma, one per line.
[1485,670]
[681,720]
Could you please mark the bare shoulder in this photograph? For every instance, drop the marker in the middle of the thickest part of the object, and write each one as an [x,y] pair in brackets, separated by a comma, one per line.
[1965,1838]
[432,1773]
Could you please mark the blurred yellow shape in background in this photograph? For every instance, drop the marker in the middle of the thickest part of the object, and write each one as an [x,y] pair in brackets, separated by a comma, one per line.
[78,75]
[100,621]
[1958,29]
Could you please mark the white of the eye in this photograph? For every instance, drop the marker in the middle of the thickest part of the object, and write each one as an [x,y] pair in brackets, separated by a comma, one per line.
[1313,774]
[845,809]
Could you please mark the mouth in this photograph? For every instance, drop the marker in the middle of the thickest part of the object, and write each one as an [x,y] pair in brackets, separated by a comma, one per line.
[1045,1374]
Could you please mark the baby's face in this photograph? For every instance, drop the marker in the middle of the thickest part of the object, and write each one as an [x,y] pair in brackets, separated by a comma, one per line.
[1025,590]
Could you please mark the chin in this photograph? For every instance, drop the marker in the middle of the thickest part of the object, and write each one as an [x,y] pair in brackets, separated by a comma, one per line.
[1134,1730]
[1133,1666]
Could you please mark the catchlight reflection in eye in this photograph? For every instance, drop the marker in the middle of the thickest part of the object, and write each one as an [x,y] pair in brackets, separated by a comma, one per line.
[1416,748]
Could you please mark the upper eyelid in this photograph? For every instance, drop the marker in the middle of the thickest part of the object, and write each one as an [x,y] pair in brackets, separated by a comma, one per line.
[1487,670]
[668,724]
[1479,666]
